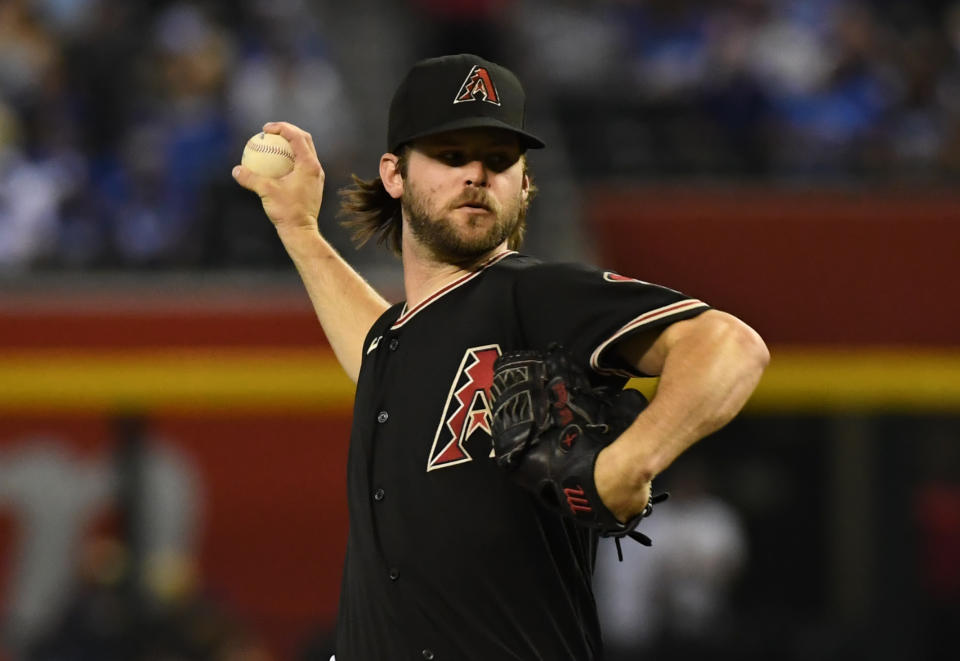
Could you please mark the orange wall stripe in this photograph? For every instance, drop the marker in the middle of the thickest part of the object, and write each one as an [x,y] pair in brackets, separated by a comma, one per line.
[232,380]
[893,380]
[207,380]
[818,381]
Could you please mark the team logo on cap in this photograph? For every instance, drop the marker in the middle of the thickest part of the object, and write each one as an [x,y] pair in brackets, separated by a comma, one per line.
[478,85]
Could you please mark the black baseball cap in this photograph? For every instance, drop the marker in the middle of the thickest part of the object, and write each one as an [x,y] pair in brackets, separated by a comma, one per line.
[457,92]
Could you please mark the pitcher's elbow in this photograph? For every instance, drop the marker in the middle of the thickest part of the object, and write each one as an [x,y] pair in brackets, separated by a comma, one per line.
[746,343]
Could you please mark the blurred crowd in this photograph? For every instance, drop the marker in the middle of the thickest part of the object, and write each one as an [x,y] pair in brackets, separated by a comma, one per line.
[120,121]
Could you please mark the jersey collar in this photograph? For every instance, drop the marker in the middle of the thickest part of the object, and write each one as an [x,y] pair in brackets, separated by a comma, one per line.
[406,315]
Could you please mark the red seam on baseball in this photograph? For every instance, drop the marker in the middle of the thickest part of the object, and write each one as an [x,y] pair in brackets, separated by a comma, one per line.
[271,149]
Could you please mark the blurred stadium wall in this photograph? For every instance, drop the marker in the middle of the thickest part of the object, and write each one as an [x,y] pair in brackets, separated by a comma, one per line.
[173,427]
[235,385]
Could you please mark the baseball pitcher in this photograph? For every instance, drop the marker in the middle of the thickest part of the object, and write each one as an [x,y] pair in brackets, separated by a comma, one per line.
[492,440]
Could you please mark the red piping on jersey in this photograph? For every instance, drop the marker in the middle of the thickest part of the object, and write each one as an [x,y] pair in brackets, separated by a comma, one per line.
[407,315]
[643,319]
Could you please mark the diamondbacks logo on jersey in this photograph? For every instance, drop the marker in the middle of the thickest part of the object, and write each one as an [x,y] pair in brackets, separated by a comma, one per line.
[467,408]
[478,85]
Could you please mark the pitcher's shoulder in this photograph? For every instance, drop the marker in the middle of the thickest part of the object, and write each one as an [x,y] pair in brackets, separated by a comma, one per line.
[524,268]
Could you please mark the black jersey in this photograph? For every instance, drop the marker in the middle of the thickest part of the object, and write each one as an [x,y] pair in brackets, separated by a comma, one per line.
[447,559]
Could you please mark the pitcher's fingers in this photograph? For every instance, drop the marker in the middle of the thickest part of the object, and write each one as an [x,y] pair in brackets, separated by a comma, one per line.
[300,140]
[249,180]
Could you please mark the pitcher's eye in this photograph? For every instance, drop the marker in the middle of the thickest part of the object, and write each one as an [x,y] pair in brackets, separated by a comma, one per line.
[500,161]
[452,157]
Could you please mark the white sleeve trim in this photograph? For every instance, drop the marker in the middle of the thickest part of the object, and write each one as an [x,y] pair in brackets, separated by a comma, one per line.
[638,322]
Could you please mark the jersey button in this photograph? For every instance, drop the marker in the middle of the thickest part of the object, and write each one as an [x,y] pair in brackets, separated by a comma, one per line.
[428,654]
[382,417]
[394,573]
[378,494]
[394,343]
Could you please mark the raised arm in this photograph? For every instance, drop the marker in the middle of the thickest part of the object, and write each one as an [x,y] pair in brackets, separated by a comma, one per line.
[344,303]
[708,368]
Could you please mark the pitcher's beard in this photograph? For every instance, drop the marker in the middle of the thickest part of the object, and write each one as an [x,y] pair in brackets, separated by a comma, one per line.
[439,235]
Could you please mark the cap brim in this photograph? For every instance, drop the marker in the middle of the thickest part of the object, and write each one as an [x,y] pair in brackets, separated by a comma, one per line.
[527,140]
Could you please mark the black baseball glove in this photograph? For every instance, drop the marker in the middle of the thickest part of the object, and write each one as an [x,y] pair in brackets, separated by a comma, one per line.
[549,424]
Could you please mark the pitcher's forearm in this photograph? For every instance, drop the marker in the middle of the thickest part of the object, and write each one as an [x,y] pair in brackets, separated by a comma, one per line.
[707,378]
[711,367]
[345,304]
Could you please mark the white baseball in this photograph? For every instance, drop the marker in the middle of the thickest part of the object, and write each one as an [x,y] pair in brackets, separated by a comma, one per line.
[268,154]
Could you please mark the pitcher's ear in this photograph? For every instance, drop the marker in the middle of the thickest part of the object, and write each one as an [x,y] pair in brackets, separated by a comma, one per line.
[391,176]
